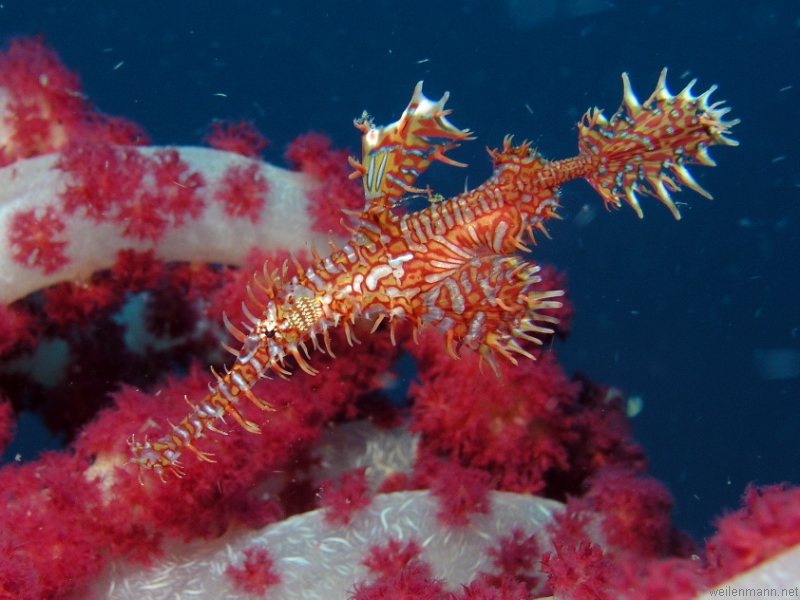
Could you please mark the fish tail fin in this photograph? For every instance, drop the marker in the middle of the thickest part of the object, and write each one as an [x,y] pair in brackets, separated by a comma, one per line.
[646,148]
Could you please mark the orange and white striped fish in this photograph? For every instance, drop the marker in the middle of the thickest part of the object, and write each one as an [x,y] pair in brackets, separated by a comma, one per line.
[455,265]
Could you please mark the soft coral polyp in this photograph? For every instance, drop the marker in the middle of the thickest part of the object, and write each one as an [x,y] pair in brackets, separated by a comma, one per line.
[257,573]
[49,109]
[514,558]
[34,237]
[413,582]
[243,192]
[343,499]
[34,498]
[387,560]
[175,186]
[580,572]
[241,138]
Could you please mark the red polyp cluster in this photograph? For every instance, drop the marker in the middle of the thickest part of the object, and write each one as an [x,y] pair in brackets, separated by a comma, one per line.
[313,154]
[462,491]
[622,518]
[101,175]
[18,330]
[145,195]
[175,186]
[768,523]
[504,434]
[516,557]
[99,191]
[636,512]
[414,580]
[101,350]
[256,575]
[6,423]
[58,532]
[532,430]
[398,572]
[48,107]
[240,138]
[243,192]
[343,499]
[36,241]
[387,560]
[142,196]
[580,572]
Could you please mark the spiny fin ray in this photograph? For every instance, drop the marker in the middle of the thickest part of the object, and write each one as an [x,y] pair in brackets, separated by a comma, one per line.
[642,147]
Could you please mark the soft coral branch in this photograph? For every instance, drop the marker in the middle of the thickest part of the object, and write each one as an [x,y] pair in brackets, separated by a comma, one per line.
[81,199]
[78,186]
[46,241]
[42,108]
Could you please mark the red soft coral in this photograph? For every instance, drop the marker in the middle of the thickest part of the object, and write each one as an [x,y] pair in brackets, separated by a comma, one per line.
[47,110]
[52,503]
[87,508]
[503,589]
[387,560]
[212,496]
[215,496]
[257,573]
[580,572]
[668,579]
[17,580]
[531,428]
[36,241]
[313,154]
[242,138]
[176,187]
[136,271]
[77,304]
[517,427]
[243,192]
[414,582]
[144,195]
[635,510]
[107,344]
[617,540]
[461,491]
[101,178]
[343,500]
[514,558]
[18,329]
[768,524]
[7,423]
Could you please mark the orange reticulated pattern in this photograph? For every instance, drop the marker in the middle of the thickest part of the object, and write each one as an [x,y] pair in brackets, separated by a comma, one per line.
[455,265]
[646,147]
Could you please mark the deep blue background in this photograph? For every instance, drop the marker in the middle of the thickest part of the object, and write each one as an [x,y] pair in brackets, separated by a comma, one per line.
[673,311]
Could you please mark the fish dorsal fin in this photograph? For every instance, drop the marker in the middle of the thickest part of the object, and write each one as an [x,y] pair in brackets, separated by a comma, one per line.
[395,155]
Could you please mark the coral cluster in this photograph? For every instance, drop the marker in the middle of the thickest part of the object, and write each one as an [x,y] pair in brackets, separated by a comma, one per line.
[118,261]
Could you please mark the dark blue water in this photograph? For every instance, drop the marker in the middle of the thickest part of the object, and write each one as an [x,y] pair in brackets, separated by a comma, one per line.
[699,317]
